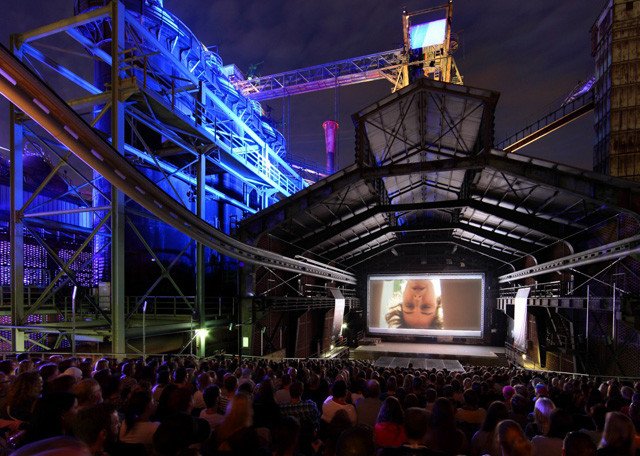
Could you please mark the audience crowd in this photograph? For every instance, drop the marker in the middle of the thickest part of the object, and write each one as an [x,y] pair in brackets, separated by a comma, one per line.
[223,406]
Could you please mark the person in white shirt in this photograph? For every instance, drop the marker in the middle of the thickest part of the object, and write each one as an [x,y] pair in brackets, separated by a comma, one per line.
[136,427]
[337,401]
[210,413]
[282,396]
[202,382]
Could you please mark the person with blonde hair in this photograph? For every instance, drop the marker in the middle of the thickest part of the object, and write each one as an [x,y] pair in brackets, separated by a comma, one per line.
[541,414]
[236,433]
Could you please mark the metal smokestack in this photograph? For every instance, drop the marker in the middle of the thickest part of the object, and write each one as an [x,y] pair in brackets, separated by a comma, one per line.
[330,132]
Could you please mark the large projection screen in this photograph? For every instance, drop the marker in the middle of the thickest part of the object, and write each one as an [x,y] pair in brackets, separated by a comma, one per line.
[426,304]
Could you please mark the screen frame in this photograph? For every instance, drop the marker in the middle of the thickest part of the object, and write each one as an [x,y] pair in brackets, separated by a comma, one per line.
[475,334]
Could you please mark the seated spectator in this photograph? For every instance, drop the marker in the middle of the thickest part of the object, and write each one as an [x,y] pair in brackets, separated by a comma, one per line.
[598,414]
[53,415]
[416,422]
[368,407]
[286,434]
[97,427]
[282,396]
[179,435]
[389,426]
[541,413]
[162,380]
[508,392]
[483,441]
[22,395]
[511,439]
[443,434]
[338,401]
[430,395]
[305,411]
[88,392]
[210,413]
[227,392]
[356,441]
[470,416]
[266,412]
[578,444]
[519,410]
[236,434]
[560,424]
[202,382]
[137,426]
[617,436]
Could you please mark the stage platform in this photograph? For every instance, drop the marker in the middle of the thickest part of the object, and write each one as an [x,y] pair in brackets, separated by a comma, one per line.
[412,352]
[452,365]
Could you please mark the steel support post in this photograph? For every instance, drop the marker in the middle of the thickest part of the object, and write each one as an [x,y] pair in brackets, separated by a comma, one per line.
[246,292]
[118,330]
[200,260]
[16,226]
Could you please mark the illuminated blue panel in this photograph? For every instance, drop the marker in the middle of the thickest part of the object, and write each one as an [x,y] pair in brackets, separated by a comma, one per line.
[428,34]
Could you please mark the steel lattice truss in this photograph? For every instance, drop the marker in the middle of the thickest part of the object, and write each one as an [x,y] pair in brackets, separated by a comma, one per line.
[382,65]
[428,180]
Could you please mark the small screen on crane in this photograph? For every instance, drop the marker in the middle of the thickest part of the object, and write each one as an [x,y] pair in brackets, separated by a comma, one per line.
[427,34]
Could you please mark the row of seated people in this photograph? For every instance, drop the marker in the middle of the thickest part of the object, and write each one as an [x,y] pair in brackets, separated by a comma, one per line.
[222,406]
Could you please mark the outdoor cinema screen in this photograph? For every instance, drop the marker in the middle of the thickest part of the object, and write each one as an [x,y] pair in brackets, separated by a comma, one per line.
[426,304]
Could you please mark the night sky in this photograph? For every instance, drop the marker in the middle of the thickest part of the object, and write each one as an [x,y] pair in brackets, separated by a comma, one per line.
[533,53]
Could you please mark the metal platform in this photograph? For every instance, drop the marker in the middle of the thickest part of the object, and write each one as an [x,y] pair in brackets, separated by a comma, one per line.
[452,365]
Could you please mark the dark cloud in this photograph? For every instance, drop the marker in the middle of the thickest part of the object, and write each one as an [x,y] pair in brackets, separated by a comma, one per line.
[533,53]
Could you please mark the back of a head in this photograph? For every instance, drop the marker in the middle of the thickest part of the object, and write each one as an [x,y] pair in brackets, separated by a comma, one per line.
[177,432]
[560,423]
[512,440]
[390,411]
[542,412]
[91,421]
[180,375]
[85,389]
[356,441]
[285,435]
[416,423]
[373,389]
[230,383]
[496,412]
[618,433]
[470,398]
[578,444]
[211,395]
[442,413]
[295,390]
[339,389]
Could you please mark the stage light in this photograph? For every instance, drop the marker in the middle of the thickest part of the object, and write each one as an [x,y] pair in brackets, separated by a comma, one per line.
[202,333]
[331,347]
[344,326]
[524,357]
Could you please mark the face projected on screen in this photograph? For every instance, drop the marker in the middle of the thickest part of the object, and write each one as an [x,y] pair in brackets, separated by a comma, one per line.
[419,303]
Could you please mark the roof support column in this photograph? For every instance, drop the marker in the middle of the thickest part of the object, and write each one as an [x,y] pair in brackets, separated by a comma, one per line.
[118,329]
[16,225]
[200,258]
